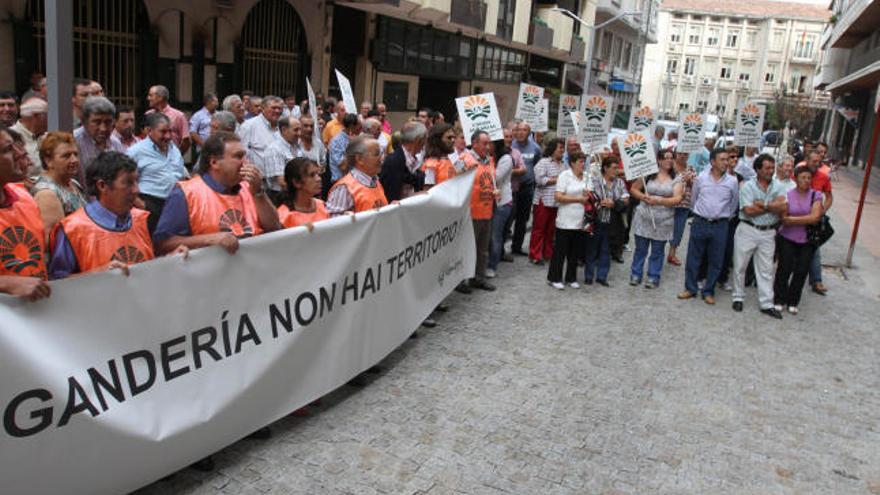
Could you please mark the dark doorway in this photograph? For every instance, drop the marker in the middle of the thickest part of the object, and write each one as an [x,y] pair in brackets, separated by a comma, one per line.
[439,95]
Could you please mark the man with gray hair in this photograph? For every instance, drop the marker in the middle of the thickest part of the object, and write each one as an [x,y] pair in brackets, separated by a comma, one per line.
[96,133]
[32,124]
[280,152]
[223,121]
[258,133]
[373,128]
[159,97]
[235,106]
[401,172]
[359,189]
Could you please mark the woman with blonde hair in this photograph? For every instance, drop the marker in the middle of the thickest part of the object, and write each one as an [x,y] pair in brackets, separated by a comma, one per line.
[56,190]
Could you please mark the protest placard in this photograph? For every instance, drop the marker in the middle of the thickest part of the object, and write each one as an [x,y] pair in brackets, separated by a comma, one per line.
[595,122]
[749,125]
[528,105]
[479,113]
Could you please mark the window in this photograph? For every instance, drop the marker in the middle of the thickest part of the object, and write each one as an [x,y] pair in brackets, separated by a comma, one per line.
[702,104]
[690,65]
[671,66]
[803,47]
[696,18]
[725,72]
[607,41]
[684,106]
[744,76]
[694,35]
[732,39]
[770,75]
[776,41]
[675,34]
[626,55]
[395,94]
[734,21]
[751,38]
[496,63]
[678,16]
[506,14]
[617,47]
[710,67]
[713,36]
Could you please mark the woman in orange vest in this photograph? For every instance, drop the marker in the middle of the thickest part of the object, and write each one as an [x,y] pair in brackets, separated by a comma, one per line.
[225,202]
[437,166]
[108,232]
[360,189]
[303,178]
[22,245]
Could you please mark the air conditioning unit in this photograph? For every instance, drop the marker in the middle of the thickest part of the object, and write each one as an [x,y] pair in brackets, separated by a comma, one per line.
[707,81]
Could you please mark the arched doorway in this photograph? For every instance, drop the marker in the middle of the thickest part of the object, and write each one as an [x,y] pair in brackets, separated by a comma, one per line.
[274,50]
[108,37]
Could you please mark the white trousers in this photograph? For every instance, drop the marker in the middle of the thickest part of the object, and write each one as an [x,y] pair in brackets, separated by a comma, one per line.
[749,241]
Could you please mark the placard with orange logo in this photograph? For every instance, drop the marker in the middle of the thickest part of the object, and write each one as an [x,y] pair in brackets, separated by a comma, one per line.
[637,154]
[566,125]
[691,132]
[595,122]
[749,125]
[529,105]
[479,113]
[642,120]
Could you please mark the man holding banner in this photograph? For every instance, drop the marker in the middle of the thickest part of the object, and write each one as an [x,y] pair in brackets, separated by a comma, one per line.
[360,189]
[224,203]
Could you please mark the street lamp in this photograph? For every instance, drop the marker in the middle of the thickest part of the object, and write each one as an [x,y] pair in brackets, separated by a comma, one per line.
[593,28]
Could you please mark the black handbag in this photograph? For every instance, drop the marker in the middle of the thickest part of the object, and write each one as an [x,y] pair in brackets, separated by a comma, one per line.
[819,232]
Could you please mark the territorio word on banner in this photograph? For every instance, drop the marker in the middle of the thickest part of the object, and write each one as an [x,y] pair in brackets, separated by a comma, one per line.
[114,382]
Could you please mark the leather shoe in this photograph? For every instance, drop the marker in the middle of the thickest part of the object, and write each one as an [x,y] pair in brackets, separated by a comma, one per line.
[482,284]
[738,306]
[507,257]
[709,299]
[603,283]
[442,307]
[463,288]
[772,312]
[819,288]
[685,295]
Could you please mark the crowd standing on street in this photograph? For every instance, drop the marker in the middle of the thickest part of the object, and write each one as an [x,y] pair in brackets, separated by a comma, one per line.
[107,196]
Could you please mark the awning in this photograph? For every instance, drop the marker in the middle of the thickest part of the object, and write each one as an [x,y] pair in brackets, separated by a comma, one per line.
[865,78]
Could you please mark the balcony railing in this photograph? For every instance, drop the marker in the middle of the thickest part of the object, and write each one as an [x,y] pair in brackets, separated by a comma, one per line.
[471,13]
[541,36]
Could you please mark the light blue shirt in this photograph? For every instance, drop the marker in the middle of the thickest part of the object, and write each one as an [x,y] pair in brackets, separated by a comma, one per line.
[699,160]
[751,192]
[713,199]
[337,154]
[157,172]
[200,123]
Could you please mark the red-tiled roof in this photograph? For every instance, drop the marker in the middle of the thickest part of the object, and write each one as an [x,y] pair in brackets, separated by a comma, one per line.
[762,8]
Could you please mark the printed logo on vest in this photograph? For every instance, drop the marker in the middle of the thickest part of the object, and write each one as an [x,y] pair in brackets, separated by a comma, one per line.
[20,250]
[234,221]
[128,255]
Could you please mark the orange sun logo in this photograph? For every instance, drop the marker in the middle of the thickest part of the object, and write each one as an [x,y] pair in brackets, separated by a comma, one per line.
[634,145]
[643,118]
[750,115]
[477,107]
[596,109]
[693,123]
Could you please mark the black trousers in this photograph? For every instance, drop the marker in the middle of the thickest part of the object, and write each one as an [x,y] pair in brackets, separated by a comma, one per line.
[566,248]
[153,205]
[522,208]
[791,271]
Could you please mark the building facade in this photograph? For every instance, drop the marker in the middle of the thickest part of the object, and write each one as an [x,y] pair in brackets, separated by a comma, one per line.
[850,71]
[407,53]
[713,56]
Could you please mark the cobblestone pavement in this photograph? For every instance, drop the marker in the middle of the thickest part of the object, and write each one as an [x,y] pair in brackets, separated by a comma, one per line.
[622,390]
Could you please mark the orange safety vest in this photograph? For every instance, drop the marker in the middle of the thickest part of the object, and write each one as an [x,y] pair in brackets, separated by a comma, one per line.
[211,212]
[483,195]
[22,236]
[95,247]
[293,218]
[443,169]
[365,198]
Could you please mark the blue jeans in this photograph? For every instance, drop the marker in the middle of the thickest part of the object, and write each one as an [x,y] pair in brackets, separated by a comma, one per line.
[816,268]
[709,239]
[655,260]
[681,218]
[499,222]
[598,253]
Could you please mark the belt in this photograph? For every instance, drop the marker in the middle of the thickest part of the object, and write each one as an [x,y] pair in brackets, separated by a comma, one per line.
[715,220]
[761,227]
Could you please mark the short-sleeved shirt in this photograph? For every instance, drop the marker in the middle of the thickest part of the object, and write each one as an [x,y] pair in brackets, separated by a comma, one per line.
[279,153]
[157,172]
[531,153]
[570,216]
[799,204]
[546,169]
[256,135]
[822,180]
[699,160]
[200,123]
[751,192]
[337,154]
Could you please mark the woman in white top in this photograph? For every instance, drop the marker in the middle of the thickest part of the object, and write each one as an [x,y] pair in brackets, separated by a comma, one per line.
[571,194]
[503,202]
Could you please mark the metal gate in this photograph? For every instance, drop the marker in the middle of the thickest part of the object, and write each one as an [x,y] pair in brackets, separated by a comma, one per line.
[274,49]
[105,44]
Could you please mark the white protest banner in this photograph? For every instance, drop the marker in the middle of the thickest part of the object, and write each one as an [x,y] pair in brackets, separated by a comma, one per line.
[528,105]
[692,132]
[565,125]
[114,382]
[595,122]
[347,93]
[313,111]
[642,120]
[638,155]
[749,125]
[479,113]
[543,125]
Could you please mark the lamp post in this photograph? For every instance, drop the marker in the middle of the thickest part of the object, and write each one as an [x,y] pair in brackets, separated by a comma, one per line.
[593,28]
